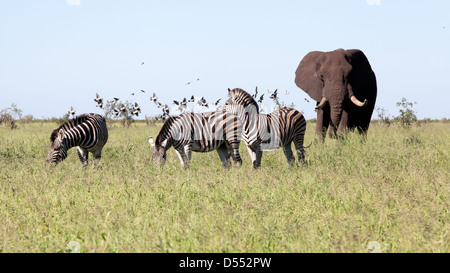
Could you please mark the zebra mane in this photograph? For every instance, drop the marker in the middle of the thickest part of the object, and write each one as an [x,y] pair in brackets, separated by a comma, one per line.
[165,128]
[246,97]
[73,122]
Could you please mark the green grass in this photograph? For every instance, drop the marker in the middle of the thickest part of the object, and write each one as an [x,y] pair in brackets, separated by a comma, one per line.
[393,189]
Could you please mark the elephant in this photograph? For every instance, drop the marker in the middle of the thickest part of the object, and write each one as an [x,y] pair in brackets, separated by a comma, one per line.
[338,80]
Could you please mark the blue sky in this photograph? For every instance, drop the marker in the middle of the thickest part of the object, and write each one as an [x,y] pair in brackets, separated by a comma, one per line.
[55,54]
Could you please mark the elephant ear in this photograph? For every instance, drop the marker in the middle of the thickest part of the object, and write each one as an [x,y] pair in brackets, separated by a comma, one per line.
[359,62]
[307,77]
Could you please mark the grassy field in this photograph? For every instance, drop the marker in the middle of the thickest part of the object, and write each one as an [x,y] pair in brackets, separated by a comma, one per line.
[393,189]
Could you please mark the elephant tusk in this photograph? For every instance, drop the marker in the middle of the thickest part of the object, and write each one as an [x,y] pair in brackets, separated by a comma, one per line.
[357,102]
[321,103]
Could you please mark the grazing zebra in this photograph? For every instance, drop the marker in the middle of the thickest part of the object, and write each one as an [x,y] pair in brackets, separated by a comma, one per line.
[87,132]
[267,132]
[199,132]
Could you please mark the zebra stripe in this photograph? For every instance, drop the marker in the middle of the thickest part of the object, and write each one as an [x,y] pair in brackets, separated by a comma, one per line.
[199,132]
[87,132]
[267,132]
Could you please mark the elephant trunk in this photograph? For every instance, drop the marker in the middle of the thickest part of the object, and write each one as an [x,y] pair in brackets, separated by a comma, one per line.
[335,116]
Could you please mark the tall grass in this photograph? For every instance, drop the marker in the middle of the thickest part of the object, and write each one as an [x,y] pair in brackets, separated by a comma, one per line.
[392,188]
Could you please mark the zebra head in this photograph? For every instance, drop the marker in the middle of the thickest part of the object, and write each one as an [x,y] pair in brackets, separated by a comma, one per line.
[241,104]
[158,153]
[58,149]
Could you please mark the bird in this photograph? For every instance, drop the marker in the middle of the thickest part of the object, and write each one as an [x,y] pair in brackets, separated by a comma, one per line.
[166,109]
[160,105]
[202,101]
[287,92]
[72,111]
[116,99]
[306,100]
[261,98]
[188,83]
[143,91]
[142,63]
[274,95]
[132,94]
[217,102]
[256,92]
[176,102]
[123,109]
[116,112]
[192,99]
[99,100]
[137,107]
[154,98]
[184,102]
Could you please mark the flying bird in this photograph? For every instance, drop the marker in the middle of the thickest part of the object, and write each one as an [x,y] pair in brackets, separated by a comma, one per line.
[256,92]
[166,109]
[192,99]
[261,98]
[217,102]
[137,107]
[160,105]
[274,95]
[142,63]
[116,112]
[287,92]
[116,99]
[99,100]
[154,98]
[176,102]
[306,100]
[184,102]
[143,91]
[72,111]
[123,109]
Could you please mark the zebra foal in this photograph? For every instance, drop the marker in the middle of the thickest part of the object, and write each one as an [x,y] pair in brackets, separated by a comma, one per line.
[87,132]
[267,132]
[199,132]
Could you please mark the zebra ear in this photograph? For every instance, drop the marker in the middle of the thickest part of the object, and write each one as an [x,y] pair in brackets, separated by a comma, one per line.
[151,141]
[61,134]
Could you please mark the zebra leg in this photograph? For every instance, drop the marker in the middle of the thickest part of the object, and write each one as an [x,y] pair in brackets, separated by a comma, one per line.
[289,155]
[97,156]
[183,160]
[224,156]
[300,151]
[255,155]
[233,149]
[83,154]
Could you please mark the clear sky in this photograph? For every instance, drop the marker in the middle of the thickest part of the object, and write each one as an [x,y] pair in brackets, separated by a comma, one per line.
[55,54]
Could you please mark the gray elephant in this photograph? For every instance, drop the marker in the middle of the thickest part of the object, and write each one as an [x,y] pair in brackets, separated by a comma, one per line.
[344,86]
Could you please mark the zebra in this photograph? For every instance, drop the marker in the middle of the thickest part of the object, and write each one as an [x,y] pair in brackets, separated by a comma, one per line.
[87,132]
[267,132]
[199,132]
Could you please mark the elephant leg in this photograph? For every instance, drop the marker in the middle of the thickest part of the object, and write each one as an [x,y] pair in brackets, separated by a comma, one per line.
[289,155]
[83,154]
[224,156]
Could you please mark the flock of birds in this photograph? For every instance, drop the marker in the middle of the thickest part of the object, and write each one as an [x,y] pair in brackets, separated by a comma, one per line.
[182,105]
